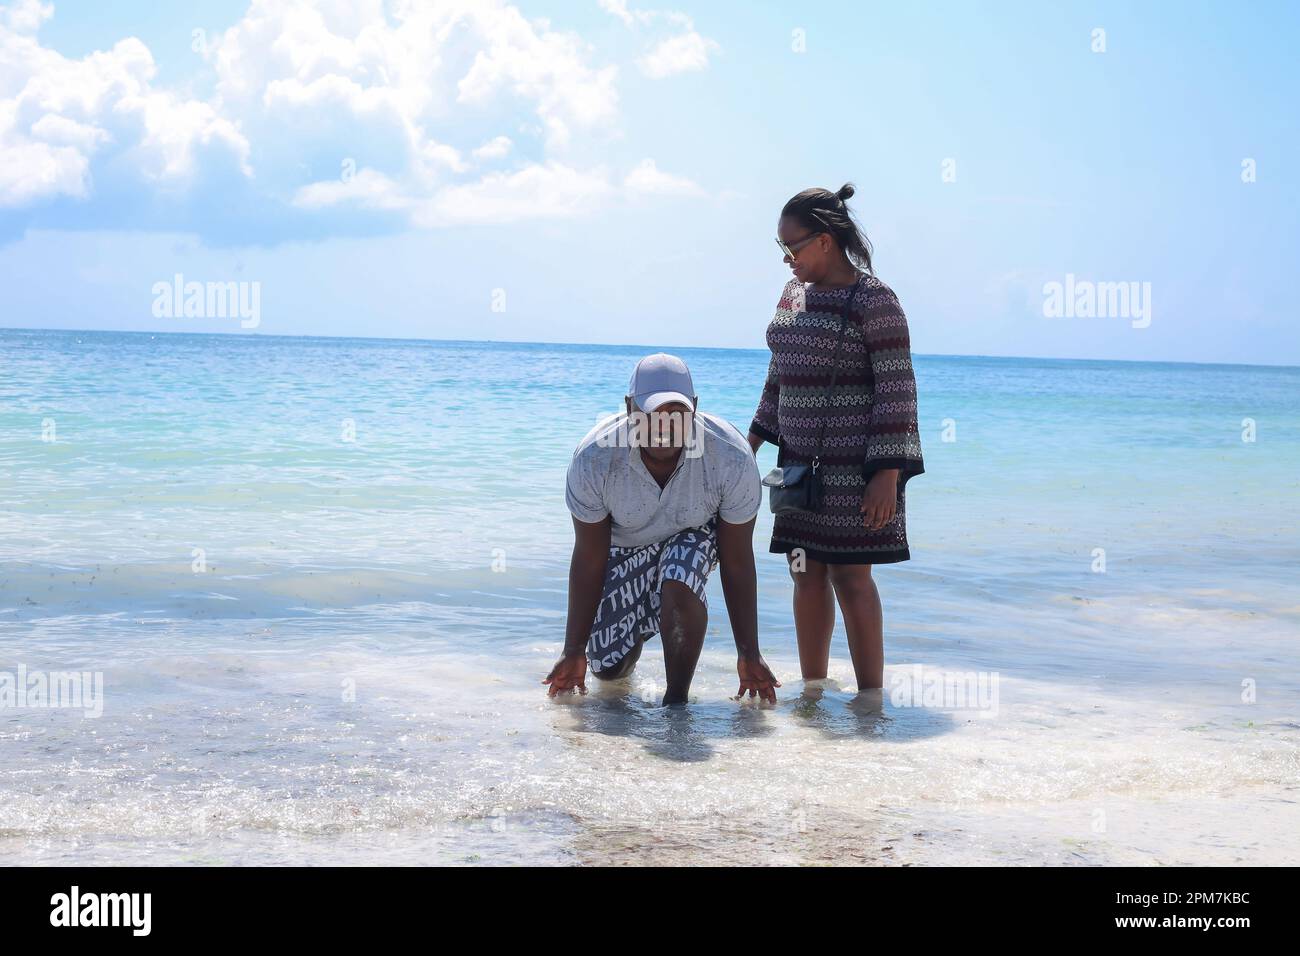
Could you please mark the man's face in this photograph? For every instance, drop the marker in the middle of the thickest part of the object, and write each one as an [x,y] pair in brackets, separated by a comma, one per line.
[664,432]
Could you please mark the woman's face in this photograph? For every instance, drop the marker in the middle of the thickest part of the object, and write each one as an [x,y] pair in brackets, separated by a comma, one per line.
[813,251]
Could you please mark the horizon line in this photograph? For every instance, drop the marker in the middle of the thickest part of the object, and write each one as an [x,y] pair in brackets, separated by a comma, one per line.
[618,345]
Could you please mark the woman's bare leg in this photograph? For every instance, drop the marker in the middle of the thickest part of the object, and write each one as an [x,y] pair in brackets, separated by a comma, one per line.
[814,615]
[863,621]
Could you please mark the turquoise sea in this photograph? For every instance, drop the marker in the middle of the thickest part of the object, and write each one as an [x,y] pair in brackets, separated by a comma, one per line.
[323,578]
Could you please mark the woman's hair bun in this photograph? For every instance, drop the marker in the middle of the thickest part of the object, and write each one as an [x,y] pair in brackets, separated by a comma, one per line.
[845,192]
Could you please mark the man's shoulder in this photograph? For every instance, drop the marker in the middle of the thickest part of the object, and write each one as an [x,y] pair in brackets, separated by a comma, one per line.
[603,439]
[723,439]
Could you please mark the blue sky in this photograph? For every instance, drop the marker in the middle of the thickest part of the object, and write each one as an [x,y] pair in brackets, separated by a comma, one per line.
[600,171]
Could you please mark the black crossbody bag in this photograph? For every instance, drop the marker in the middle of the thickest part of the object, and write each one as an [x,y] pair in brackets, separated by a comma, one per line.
[798,487]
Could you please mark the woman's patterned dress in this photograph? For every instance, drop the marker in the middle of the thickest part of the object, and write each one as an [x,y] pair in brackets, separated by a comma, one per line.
[870,418]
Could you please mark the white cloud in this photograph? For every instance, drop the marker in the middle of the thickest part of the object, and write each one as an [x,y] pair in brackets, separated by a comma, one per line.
[33,171]
[173,127]
[550,191]
[409,63]
[647,180]
[407,74]
[683,53]
[543,66]
[367,188]
[381,85]
[57,114]
[619,9]
[495,148]
[61,131]
[641,18]
[25,16]
[399,71]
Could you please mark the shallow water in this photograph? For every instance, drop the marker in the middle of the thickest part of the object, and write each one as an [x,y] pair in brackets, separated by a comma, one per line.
[351,674]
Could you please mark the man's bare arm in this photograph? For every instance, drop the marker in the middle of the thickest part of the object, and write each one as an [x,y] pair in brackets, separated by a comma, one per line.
[586,584]
[739,582]
[740,588]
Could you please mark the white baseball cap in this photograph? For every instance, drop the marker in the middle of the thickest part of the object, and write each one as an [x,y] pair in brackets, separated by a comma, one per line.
[660,379]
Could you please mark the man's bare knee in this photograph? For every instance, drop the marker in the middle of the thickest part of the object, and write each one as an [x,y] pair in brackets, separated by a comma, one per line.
[682,615]
[620,668]
[676,597]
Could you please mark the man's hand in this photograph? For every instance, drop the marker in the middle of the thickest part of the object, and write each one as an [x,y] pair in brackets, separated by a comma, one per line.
[880,499]
[757,678]
[568,674]
[586,580]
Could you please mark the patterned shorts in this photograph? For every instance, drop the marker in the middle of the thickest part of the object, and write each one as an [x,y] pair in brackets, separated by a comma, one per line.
[629,608]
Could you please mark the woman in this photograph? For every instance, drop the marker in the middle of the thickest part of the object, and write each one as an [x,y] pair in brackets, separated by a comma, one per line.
[870,443]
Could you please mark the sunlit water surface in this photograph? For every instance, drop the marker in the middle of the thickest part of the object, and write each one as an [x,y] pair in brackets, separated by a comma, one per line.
[323,578]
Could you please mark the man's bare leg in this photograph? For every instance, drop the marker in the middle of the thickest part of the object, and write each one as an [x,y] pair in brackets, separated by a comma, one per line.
[682,622]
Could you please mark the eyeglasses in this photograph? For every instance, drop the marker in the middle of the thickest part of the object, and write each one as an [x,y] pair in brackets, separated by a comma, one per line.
[791,251]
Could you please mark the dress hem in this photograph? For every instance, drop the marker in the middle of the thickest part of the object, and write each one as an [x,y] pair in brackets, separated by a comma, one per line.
[842,557]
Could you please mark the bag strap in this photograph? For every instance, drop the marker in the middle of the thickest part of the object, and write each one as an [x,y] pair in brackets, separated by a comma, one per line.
[835,372]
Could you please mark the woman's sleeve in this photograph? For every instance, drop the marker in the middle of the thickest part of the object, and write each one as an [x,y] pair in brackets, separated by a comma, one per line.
[765,424]
[893,439]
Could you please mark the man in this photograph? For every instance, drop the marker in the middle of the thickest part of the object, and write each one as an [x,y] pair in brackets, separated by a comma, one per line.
[660,495]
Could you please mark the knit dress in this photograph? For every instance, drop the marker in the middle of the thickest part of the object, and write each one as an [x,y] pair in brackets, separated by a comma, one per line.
[870,417]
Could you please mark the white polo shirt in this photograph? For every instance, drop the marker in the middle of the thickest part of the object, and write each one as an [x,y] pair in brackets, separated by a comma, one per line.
[718,477]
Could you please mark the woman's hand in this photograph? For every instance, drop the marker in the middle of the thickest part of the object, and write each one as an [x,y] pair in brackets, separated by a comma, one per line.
[880,499]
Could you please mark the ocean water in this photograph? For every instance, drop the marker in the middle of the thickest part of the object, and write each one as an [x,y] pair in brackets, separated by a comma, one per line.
[323,578]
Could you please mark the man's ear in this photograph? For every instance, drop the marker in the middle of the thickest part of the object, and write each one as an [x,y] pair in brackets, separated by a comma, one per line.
[627,403]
